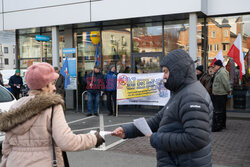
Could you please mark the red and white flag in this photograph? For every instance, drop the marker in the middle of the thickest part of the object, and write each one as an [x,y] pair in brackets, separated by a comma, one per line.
[236,53]
[219,56]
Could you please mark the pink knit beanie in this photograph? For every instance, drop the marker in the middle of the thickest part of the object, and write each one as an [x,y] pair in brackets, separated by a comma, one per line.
[40,75]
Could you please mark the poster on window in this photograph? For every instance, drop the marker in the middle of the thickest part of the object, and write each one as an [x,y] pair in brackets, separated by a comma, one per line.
[141,89]
[72,73]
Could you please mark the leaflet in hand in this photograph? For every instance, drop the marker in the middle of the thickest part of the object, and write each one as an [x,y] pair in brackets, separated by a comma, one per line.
[102,133]
[142,125]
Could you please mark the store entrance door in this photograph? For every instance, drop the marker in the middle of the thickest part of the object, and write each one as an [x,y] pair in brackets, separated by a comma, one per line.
[146,62]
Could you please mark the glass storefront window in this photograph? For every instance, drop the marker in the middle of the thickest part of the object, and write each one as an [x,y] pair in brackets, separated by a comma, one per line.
[176,35]
[147,64]
[116,48]
[87,43]
[25,63]
[147,37]
[29,47]
[222,32]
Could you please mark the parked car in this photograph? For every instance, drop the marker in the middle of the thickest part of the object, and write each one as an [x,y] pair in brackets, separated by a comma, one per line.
[6,100]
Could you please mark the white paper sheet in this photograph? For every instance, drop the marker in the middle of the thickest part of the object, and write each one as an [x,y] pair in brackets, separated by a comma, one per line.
[102,133]
[142,125]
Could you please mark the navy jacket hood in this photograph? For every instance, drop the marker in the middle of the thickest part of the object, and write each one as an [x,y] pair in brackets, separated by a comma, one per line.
[181,68]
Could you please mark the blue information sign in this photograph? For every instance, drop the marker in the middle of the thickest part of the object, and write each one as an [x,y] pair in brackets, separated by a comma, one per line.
[42,38]
[69,50]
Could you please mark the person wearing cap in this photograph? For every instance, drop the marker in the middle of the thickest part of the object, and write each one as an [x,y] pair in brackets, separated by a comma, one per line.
[199,71]
[95,87]
[16,82]
[205,78]
[220,90]
[111,78]
[27,125]
[182,128]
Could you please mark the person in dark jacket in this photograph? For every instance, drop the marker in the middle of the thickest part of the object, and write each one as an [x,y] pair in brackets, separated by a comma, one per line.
[182,128]
[221,88]
[111,78]
[95,87]
[60,83]
[16,82]
[199,72]
[1,79]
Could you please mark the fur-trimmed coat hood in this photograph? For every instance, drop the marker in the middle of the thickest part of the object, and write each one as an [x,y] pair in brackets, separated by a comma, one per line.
[26,109]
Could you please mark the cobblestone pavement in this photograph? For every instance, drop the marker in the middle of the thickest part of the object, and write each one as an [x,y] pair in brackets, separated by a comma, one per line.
[231,147]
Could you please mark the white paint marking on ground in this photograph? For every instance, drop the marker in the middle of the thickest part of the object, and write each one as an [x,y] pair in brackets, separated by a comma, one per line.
[80,119]
[115,143]
[107,126]
[103,146]
[109,146]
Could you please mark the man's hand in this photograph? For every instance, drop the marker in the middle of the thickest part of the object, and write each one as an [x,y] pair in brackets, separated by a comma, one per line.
[119,132]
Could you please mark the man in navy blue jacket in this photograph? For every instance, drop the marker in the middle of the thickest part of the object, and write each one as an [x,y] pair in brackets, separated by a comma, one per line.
[16,82]
[111,78]
[182,129]
[95,85]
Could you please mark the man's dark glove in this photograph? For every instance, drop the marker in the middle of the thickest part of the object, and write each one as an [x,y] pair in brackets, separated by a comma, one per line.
[100,140]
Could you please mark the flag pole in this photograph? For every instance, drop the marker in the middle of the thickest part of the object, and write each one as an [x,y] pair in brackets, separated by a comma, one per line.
[77,99]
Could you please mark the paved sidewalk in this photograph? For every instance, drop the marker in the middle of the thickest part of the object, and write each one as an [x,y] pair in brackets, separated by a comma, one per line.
[230,148]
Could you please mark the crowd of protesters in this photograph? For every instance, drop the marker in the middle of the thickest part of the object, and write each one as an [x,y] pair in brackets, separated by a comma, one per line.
[216,81]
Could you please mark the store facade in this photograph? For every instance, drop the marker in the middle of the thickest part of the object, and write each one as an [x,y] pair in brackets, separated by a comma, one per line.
[134,35]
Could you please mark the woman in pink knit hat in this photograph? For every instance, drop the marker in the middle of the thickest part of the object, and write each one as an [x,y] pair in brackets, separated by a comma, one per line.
[28,139]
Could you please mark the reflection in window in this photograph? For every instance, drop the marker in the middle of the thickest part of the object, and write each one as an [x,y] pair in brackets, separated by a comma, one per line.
[147,64]
[228,28]
[117,50]
[25,63]
[226,33]
[213,34]
[176,35]
[30,48]
[224,47]
[147,38]
[87,42]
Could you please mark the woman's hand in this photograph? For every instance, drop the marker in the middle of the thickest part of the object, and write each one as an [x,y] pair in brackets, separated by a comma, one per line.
[100,140]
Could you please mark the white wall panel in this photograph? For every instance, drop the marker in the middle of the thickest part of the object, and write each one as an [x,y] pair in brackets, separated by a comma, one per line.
[68,14]
[13,5]
[1,22]
[119,9]
[217,7]
[1,7]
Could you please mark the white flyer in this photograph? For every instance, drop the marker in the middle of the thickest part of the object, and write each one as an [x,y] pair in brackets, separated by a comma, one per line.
[142,125]
[102,133]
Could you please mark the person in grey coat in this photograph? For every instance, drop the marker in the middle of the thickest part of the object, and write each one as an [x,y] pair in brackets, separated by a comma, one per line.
[182,128]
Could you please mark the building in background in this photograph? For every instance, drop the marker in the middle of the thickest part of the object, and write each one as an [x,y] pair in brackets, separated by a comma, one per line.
[7,57]
[133,35]
[7,50]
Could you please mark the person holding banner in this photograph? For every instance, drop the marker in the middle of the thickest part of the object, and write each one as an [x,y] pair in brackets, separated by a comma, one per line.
[111,81]
[95,87]
[182,129]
